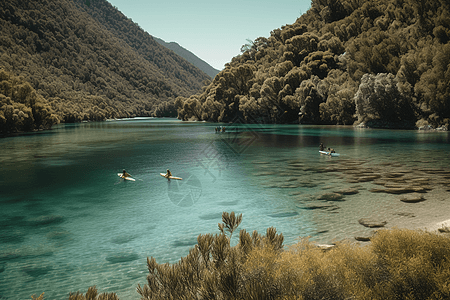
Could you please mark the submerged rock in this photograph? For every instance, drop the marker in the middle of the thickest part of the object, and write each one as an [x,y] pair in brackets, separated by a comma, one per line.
[349,191]
[122,257]
[405,214]
[188,242]
[412,198]
[123,239]
[37,271]
[322,207]
[58,235]
[12,237]
[331,197]
[284,214]
[399,190]
[46,220]
[371,223]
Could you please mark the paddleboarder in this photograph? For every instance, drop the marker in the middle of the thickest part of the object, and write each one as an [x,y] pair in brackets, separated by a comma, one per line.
[321,147]
[125,174]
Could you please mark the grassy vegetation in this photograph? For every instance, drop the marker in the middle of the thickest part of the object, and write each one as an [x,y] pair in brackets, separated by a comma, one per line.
[397,264]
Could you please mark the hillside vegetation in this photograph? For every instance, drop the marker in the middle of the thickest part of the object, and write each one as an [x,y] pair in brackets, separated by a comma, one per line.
[378,62]
[87,61]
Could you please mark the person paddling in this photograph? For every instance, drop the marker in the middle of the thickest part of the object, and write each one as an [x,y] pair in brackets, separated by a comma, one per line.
[168,174]
[125,174]
[321,147]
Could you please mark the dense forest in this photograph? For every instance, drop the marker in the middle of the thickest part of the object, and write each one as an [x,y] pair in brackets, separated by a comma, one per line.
[376,63]
[84,60]
[21,108]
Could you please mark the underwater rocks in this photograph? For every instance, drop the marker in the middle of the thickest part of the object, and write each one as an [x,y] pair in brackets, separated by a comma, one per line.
[123,239]
[349,191]
[284,214]
[412,198]
[370,223]
[399,190]
[122,257]
[328,207]
[37,271]
[187,242]
[12,237]
[331,197]
[29,252]
[406,214]
[45,220]
[59,235]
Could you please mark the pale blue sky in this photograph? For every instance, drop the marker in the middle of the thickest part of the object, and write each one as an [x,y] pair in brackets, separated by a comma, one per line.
[212,30]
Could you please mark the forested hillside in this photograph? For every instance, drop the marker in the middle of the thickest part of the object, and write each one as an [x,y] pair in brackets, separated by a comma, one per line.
[86,61]
[379,62]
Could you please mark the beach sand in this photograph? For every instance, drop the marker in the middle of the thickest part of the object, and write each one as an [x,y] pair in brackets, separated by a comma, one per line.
[429,215]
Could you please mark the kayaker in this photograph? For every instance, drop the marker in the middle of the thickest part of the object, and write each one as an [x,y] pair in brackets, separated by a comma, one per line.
[125,174]
[321,147]
[168,174]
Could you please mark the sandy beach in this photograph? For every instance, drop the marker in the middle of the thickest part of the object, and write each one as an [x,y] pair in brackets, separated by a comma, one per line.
[429,215]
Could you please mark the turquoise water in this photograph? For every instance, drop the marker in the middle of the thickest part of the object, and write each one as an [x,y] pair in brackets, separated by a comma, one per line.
[68,222]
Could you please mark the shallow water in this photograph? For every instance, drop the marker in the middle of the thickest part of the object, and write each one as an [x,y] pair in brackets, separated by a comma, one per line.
[68,222]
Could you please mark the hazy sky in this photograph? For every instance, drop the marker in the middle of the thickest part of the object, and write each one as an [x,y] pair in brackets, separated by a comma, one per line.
[212,30]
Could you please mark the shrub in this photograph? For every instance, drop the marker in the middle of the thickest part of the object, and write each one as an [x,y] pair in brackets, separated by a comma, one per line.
[398,264]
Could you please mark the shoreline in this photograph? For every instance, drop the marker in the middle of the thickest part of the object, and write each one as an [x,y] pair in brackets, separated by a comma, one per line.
[434,228]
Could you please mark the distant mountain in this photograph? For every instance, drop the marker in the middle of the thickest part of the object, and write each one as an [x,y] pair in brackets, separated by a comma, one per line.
[189,56]
[84,60]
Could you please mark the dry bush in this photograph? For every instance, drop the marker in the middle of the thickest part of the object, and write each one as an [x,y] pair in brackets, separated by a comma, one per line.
[416,264]
[398,264]
[92,294]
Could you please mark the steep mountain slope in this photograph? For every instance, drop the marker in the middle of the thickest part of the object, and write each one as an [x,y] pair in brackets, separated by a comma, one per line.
[88,61]
[189,56]
[380,63]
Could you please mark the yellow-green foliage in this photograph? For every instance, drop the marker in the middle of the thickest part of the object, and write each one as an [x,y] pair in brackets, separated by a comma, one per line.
[92,294]
[41,297]
[21,108]
[398,264]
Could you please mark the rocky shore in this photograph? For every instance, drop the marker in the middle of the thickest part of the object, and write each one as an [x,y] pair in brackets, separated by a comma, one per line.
[400,125]
[419,197]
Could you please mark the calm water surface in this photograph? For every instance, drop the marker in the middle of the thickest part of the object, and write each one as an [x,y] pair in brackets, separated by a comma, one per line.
[68,222]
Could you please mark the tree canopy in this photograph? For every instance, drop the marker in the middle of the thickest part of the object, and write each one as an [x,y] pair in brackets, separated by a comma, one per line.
[343,61]
[90,62]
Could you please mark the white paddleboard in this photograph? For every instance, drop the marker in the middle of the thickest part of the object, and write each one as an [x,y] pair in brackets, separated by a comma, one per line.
[170,177]
[328,153]
[126,178]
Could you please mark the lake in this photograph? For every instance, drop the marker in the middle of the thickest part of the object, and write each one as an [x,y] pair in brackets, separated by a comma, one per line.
[69,222]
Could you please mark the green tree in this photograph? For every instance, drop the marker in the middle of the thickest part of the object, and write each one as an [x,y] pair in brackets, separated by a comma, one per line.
[379,97]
